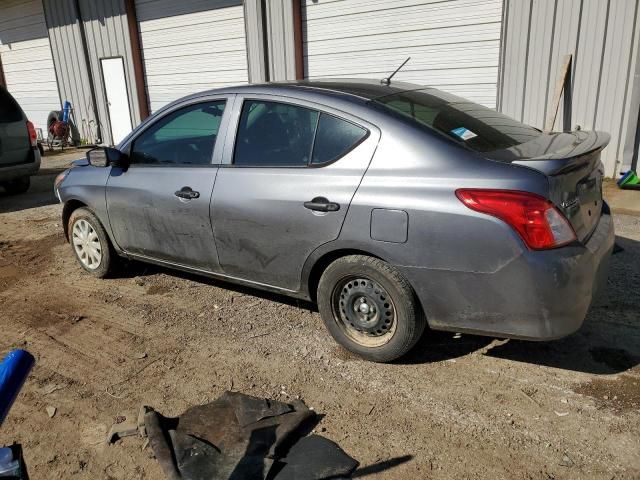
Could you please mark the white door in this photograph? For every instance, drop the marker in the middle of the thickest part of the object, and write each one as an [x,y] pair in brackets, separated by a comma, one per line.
[454,45]
[115,86]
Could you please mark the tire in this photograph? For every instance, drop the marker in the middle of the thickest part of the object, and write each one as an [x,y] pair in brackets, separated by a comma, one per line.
[19,185]
[369,308]
[98,260]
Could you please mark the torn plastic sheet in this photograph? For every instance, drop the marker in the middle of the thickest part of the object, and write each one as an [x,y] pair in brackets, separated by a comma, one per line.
[242,437]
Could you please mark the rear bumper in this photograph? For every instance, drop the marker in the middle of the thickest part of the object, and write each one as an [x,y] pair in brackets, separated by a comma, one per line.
[540,295]
[22,170]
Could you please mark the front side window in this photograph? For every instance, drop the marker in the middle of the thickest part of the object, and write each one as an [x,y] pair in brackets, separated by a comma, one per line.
[272,134]
[184,137]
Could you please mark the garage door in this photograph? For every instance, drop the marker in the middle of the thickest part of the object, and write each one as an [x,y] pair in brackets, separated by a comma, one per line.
[191,46]
[26,59]
[454,45]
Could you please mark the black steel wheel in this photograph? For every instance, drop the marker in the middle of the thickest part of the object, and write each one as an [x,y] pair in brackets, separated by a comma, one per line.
[370,308]
[364,310]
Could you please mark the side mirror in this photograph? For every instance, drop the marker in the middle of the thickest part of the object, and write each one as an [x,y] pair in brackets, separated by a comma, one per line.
[107,156]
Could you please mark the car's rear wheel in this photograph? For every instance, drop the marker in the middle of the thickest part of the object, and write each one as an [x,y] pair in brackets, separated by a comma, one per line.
[90,243]
[19,185]
[369,308]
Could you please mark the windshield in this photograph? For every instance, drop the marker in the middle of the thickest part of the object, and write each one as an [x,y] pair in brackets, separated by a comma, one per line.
[477,127]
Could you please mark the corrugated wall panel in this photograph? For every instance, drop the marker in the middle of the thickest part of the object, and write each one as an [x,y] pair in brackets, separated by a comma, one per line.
[541,35]
[453,45]
[516,42]
[191,46]
[613,103]
[601,35]
[72,73]
[627,149]
[26,59]
[280,40]
[107,35]
[255,41]
[565,38]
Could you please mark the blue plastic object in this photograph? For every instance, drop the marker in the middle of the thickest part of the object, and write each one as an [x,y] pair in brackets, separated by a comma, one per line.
[14,370]
[66,111]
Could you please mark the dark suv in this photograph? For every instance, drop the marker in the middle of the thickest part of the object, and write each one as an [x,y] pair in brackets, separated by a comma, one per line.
[19,155]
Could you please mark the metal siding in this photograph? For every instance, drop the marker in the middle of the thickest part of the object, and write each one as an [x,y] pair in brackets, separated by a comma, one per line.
[72,74]
[516,42]
[542,13]
[191,46]
[280,40]
[257,69]
[105,24]
[453,44]
[631,114]
[601,35]
[26,59]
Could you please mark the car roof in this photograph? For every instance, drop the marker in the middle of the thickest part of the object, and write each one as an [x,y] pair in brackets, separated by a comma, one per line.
[356,88]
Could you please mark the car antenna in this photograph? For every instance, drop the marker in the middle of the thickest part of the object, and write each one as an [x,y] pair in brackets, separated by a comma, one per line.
[387,81]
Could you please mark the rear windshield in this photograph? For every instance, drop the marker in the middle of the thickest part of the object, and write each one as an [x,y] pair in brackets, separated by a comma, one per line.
[479,128]
[9,109]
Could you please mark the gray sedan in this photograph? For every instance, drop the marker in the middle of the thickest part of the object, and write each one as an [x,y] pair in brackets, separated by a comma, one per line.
[393,207]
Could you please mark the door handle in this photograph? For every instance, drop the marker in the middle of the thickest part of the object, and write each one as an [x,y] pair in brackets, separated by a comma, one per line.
[321,204]
[187,193]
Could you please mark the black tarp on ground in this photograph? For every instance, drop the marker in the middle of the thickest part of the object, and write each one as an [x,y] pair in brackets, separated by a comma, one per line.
[242,437]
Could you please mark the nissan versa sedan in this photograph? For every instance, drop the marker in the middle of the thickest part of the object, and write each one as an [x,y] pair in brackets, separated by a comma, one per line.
[392,206]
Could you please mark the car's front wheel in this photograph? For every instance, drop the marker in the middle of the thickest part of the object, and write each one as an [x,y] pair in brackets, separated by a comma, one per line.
[370,308]
[90,243]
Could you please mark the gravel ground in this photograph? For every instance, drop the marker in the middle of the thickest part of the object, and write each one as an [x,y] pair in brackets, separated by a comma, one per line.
[458,407]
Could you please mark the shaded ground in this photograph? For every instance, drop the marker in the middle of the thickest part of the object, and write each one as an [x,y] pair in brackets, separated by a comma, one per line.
[467,407]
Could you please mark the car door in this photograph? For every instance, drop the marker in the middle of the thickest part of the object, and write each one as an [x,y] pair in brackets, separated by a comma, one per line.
[284,188]
[159,206]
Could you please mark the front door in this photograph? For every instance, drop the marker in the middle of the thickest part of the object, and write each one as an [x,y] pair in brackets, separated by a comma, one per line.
[115,86]
[159,206]
[285,188]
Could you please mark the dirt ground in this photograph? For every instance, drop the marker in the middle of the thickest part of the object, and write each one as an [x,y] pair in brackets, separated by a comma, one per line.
[458,407]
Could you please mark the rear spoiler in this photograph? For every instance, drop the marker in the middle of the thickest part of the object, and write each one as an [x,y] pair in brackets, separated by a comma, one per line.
[571,156]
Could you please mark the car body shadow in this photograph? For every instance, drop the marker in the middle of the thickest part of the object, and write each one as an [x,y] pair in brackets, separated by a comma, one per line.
[134,268]
[609,340]
[40,193]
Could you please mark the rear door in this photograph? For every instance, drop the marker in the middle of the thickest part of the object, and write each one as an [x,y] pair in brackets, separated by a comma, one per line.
[15,145]
[289,174]
[159,207]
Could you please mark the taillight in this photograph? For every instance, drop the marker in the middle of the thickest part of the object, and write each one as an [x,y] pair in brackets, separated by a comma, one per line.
[33,136]
[536,219]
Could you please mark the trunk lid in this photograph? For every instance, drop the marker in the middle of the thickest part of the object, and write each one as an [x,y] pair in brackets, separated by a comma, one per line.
[571,162]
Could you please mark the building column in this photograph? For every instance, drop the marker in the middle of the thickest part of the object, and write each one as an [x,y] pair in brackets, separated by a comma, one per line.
[136,58]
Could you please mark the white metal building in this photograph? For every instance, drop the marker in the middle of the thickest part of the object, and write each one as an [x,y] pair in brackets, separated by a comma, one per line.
[119,60]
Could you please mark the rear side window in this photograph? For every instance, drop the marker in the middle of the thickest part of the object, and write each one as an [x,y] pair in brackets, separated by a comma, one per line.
[273,134]
[9,108]
[334,138]
[477,127]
